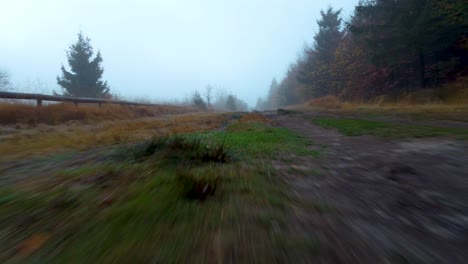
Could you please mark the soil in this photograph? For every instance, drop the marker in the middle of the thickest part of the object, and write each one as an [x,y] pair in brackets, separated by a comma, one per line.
[372,200]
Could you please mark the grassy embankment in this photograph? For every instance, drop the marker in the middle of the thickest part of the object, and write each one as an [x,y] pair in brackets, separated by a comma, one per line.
[409,115]
[449,102]
[202,196]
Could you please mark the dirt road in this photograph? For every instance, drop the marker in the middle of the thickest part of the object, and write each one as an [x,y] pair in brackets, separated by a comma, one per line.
[372,200]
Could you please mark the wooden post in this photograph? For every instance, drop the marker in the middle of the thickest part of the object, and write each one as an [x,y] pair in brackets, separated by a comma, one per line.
[38,111]
[76,104]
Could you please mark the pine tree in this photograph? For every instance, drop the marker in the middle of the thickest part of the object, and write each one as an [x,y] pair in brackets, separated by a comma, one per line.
[260,105]
[85,77]
[317,71]
[273,94]
[415,39]
[387,47]
[198,101]
[329,36]
[231,103]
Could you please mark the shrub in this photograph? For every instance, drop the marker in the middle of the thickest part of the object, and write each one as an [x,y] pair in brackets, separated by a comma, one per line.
[184,150]
[198,184]
[193,160]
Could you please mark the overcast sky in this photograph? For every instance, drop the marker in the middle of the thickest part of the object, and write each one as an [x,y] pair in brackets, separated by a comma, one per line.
[162,49]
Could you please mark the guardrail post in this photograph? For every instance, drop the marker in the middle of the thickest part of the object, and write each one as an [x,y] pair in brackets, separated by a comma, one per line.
[38,111]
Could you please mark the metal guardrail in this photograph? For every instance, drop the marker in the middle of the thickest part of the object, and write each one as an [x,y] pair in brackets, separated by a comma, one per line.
[76,100]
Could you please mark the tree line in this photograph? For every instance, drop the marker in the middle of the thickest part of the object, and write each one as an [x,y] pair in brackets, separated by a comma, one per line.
[222,101]
[386,47]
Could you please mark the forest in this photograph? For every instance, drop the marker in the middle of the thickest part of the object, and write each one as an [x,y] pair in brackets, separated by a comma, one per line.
[386,49]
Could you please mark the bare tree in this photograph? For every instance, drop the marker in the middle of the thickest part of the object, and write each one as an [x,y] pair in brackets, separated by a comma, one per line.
[208,95]
[4,80]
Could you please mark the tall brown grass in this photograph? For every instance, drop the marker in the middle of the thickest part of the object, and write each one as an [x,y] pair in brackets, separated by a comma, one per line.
[56,138]
[63,112]
[451,97]
[327,102]
[256,118]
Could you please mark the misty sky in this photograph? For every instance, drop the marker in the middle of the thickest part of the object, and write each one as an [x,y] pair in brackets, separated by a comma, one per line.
[161,49]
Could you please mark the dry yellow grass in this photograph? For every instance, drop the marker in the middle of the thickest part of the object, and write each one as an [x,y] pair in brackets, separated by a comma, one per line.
[326,102]
[44,138]
[449,101]
[440,110]
[257,118]
[454,94]
[64,112]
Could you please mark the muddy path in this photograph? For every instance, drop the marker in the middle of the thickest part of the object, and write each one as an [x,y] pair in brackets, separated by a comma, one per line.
[372,200]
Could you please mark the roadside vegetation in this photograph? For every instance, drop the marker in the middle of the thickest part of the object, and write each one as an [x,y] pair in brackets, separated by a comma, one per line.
[53,114]
[430,110]
[44,139]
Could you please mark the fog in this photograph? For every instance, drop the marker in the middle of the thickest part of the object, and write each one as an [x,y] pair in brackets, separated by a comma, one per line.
[161,49]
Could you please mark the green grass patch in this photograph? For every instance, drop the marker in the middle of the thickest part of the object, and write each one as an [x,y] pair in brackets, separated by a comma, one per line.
[356,127]
[255,140]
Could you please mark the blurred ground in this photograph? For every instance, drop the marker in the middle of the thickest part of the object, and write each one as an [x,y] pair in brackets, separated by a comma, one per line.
[398,200]
[277,187]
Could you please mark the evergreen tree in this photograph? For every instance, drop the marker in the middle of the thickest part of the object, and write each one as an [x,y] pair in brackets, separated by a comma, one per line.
[260,105]
[288,88]
[414,39]
[231,103]
[273,94]
[198,101]
[329,36]
[85,77]
[240,105]
[317,71]
[388,47]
